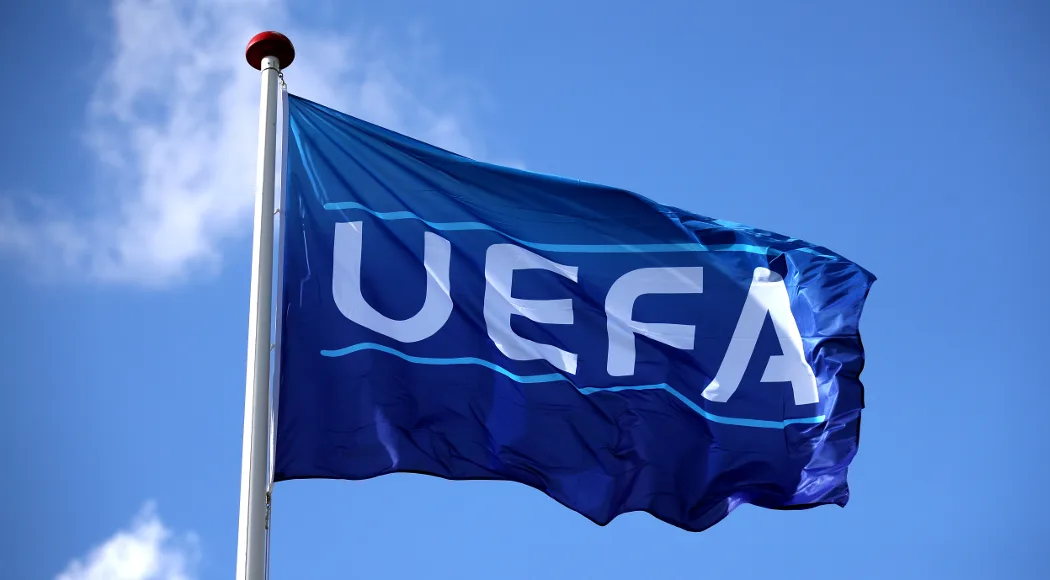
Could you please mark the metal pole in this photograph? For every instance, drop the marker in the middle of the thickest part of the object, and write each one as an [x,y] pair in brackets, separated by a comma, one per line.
[266,51]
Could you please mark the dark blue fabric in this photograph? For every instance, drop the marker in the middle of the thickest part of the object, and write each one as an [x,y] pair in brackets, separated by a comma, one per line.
[355,403]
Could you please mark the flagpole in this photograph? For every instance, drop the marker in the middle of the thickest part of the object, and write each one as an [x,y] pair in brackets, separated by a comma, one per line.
[268,52]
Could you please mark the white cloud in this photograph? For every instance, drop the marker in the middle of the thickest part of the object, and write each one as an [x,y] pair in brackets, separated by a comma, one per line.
[146,550]
[173,121]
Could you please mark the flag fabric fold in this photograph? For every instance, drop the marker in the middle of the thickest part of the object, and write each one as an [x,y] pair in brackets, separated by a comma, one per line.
[464,320]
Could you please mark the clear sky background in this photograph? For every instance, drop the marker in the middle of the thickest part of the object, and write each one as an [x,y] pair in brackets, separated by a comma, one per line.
[911,136]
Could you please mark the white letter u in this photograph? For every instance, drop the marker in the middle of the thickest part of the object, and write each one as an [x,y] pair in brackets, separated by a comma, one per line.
[346,287]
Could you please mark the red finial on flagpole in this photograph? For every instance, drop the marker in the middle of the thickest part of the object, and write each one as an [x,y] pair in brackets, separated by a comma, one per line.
[270,43]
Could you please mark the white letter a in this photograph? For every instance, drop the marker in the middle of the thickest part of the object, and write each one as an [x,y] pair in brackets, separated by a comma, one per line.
[767,295]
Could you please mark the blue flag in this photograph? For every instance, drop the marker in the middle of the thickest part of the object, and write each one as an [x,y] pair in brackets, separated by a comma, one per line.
[459,319]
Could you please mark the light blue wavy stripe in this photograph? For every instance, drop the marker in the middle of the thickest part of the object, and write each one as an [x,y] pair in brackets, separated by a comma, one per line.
[444,361]
[555,377]
[761,423]
[569,248]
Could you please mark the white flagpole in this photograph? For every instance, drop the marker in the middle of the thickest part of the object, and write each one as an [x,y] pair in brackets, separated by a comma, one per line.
[267,52]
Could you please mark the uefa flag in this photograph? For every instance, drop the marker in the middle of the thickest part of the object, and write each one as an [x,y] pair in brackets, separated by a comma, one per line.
[464,320]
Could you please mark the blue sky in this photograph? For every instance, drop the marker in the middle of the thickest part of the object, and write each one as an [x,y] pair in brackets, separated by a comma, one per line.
[910,136]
